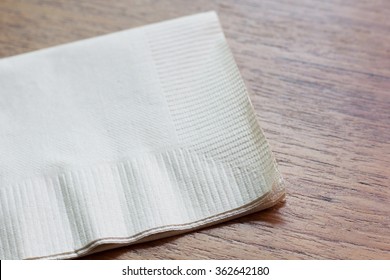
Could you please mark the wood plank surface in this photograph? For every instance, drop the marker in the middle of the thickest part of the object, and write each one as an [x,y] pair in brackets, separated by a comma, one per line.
[319,75]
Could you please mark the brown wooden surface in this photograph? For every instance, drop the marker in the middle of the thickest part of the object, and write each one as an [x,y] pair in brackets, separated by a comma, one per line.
[319,74]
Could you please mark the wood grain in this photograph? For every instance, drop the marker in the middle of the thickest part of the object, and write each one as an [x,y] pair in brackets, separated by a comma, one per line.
[319,74]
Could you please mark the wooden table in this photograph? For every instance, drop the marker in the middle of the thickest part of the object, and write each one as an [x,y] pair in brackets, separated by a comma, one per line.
[319,74]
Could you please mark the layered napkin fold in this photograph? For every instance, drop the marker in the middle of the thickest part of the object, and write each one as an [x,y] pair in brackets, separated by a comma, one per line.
[125,138]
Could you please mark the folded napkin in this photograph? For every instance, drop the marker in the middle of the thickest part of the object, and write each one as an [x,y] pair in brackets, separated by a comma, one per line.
[127,137]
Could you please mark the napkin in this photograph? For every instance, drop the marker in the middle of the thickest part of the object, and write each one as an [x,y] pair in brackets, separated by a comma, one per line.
[125,138]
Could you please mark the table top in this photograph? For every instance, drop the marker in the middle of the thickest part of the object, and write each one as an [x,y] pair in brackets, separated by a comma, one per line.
[319,77]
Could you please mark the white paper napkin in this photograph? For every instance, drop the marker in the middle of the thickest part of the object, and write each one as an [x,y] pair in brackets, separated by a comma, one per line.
[127,137]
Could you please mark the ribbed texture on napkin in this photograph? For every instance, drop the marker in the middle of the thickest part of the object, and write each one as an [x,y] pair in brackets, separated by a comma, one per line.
[125,138]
